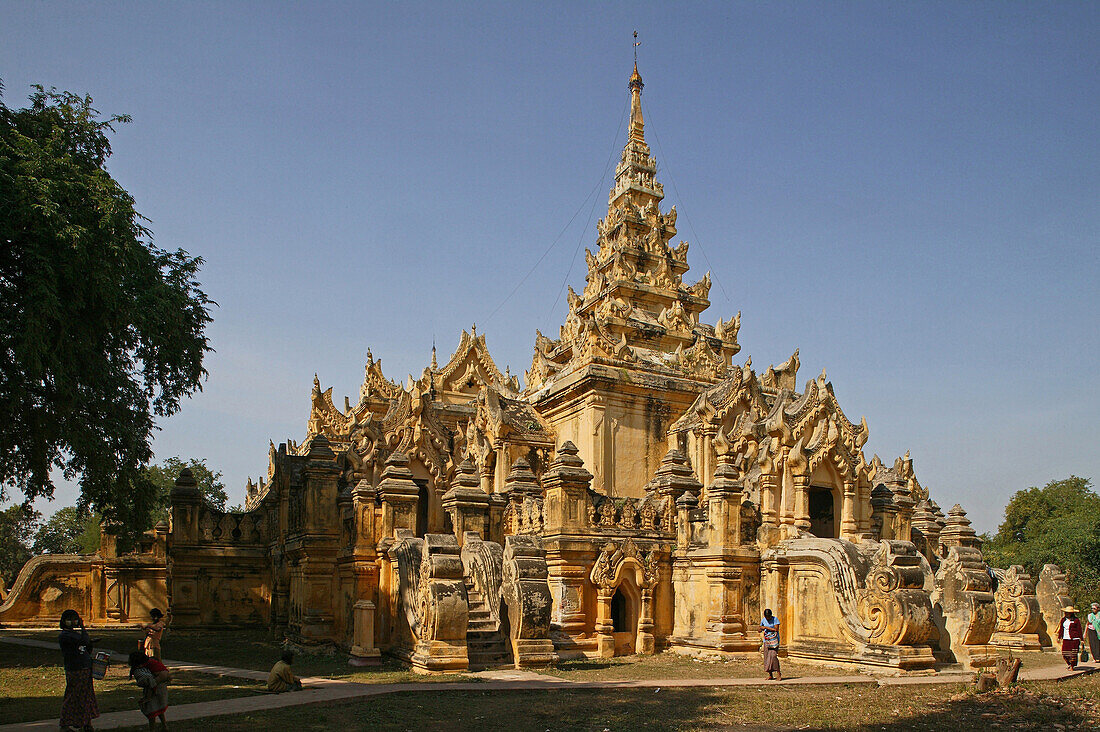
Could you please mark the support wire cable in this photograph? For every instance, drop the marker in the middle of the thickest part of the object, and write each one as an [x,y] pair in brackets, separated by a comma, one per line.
[576,251]
[676,190]
[557,238]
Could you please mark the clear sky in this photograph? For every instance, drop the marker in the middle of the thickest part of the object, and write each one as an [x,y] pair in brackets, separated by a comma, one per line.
[907,192]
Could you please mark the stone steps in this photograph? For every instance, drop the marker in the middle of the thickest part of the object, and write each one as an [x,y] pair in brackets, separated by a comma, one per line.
[485,646]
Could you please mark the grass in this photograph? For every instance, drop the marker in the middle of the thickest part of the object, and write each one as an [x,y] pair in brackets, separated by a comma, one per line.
[249,649]
[32,683]
[1074,704]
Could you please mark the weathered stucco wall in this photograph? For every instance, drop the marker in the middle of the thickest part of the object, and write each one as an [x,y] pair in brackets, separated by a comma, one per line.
[103,588]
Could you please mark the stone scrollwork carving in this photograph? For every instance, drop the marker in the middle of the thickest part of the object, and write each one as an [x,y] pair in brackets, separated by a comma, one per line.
[1018,615]
[893,605]
[1053,595]
[441,607]
[963,598]
[527,597]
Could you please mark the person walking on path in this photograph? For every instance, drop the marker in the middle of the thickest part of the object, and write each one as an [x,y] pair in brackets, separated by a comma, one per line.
[1092,632]
[153,677]
[78,706]
[1070,634]
[154,631]
[281,677]
[769,627]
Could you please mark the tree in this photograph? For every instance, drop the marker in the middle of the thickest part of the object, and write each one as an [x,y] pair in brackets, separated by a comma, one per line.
[163,477]
[1056,524]
[17,525]
[67,532]
[101,330]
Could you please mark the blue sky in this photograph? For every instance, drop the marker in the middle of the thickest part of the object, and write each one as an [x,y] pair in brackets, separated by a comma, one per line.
[907,192]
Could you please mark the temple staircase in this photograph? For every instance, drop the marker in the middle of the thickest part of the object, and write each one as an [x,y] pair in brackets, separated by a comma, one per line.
[486,644]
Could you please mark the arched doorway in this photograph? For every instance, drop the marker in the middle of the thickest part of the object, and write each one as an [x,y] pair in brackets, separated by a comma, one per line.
[822,512]
[625,607]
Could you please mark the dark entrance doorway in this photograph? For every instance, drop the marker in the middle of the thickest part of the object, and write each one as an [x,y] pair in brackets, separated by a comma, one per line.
[421,507]
[619,622]
[822,513]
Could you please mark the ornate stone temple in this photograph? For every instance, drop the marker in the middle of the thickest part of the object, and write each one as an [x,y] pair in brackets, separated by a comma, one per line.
[639,493]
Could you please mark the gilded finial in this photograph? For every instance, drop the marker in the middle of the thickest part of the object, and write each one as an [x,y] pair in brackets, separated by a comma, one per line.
[636,78]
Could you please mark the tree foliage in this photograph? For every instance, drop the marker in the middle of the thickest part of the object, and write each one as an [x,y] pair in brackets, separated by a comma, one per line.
[67,532]
[1056,524]
[100,330]
[163,477]
[18,523]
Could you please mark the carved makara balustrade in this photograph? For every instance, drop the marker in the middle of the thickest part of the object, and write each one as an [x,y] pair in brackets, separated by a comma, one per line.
[1018,614]
[892,604]
[1053,594]
[966,613]
[527,596]
[441,608]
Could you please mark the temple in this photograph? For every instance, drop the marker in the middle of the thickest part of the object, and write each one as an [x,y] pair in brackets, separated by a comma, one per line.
[638,493]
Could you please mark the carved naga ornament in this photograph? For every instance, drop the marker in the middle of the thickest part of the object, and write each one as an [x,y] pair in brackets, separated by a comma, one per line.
[892,605]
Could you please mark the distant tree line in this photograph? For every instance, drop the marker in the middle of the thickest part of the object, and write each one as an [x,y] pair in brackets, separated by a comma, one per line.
[1056,524]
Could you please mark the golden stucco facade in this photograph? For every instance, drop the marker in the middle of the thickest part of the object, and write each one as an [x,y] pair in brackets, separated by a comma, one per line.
[639,493]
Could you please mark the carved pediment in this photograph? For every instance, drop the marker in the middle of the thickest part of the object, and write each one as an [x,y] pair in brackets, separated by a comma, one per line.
[469,369]
[324,417]
[375,384]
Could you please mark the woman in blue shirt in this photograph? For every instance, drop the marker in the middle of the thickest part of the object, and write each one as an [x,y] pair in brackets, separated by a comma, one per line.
[769,627]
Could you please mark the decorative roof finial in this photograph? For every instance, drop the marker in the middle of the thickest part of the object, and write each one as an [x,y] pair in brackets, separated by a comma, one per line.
[435,364]
[637,125]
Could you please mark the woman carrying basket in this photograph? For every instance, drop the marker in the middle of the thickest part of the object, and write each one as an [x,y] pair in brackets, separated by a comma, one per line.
[78,706]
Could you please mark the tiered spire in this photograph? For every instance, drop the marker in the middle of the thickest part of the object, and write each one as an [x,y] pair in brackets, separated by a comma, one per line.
[635,310]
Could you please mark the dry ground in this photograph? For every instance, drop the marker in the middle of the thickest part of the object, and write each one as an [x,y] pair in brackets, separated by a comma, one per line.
[1075,705]
[31,683]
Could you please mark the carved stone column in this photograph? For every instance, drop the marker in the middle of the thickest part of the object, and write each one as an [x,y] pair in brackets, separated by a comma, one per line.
[769,488]
[527,596]
[467,504]
[848,526]
[567,586]
[724,506]
[363,652]
[802,502]
[706,467]
[399,497]
[605,629]
[646,643]
[566,483]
